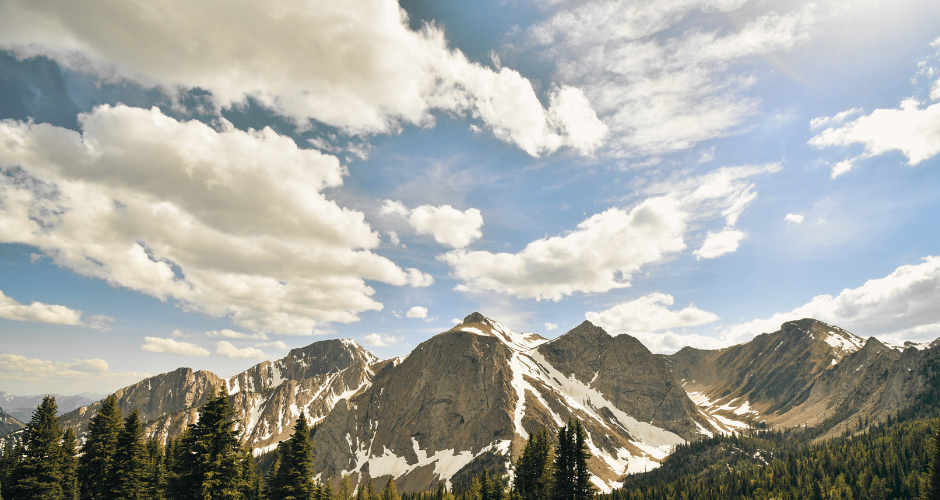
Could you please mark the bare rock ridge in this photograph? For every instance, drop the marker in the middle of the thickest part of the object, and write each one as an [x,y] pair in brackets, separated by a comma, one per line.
[8,424]
[469,397]
[803,374]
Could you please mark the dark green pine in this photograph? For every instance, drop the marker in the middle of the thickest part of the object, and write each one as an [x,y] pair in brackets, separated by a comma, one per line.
[250,479]
[299,474]
[130,461]
[583,489]
[38,476]
[155,475]
[11,455]
[391,491]
[275,477]
[564,470]
[208,455]
[933,492]
[69,466]
[96,461]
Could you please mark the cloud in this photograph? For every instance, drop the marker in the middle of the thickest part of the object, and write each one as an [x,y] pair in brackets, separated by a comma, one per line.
[551,326]
[823,121]
[659,84]
[794,218]
[456,321]
[901,306]
[231,334]
[42,376]
[649,313]
[718,244]
[417,312]
[277,344]
[170,346]
[37,312]
[377,340]
[225,222]
[448,225]
[351,65]
[227,350]
[605,250]
[912,130]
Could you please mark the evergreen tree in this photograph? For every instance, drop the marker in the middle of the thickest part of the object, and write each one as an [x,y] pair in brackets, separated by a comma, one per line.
[130,461]
[95,464]
[39,474]
[326,491]
[534,470]
[391,491]
[155,475]
[298,470]
[208,455]
[11,456]
[933,490]
[69,466]
[275,479]
[583,489]
[370,491]
[564,486]
[250,480]
[361,492]
[343,493]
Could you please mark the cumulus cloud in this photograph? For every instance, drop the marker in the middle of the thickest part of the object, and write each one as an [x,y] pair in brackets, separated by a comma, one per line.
[226,222]
[170,346]
[551,326]
[720,243]
[605,250]
[378,340]
[901,306]
[794,218]
[417,312]
[37,312]
[227,350]
[448,225]
[456,321]
[655,90]
[42,376]
[649,313]
[911,129]
[352,65]
[231,334]
[277,344]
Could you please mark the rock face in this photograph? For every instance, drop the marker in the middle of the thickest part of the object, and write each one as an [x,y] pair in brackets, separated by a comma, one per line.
[808,373]
[267,397]
[472,395]
[9,424]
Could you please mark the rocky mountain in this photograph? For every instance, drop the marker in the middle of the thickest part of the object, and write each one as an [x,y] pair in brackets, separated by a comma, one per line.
[267,397]
[9,424]
[471,396]
[806,373]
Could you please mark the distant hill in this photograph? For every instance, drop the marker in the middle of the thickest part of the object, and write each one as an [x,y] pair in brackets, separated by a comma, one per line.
[21,407]
[8,424]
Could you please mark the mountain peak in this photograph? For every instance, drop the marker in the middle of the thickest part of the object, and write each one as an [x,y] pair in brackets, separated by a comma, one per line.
[474,317]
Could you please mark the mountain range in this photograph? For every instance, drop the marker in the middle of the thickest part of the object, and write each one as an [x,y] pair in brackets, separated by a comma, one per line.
[469,397]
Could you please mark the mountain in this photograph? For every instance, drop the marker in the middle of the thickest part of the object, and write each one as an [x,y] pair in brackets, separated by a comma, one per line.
[471,396]
[806,373]
[21,407]
[267,397]
[9,424]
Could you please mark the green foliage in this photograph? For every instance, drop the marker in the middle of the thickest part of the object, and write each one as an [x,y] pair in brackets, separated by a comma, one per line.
[564,466]
[69,466]
[535,468]
[583,489]
[38,474]
[934,491]
[391,491]
[291,477]
[96,462]
[130,461]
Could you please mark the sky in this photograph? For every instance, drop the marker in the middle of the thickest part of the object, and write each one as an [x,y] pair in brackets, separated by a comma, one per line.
[212,183]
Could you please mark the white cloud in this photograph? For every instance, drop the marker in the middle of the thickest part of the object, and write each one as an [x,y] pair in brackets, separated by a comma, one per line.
[352,65]
[231,334]
[718,244]
[417,312]
[448,225]
[935,90]
[41,376]
[170,346]
[551,326]
[226,222]
[377,340]
[277,344]
[37,312]
[178,334]
[823,121]
[649,313]
[901,306]
[794,218]
[910,129]
[606,250]
[227,350]
[657,91]
[456,321]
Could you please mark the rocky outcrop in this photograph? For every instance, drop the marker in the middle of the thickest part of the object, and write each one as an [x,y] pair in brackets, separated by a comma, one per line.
[8,424]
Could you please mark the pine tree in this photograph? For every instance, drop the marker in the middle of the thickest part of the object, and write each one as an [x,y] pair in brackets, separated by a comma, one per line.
[583,489]
[326,491]
[155,475]
[208,455]
[298,475]
[564,465]
[95,464]
[250,480]
[39,474]
[933,490]
[370,491]
[130,461]
[11,456]
[391,491]
[343,493]
[69,466]
[535,468]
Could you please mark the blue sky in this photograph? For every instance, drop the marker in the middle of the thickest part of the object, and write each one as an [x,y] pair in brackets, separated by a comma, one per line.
[210,183]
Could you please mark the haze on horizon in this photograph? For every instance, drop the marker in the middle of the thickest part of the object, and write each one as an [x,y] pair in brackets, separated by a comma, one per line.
[210,183]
